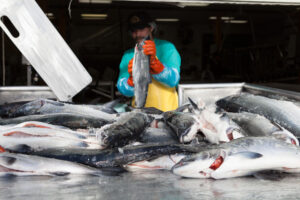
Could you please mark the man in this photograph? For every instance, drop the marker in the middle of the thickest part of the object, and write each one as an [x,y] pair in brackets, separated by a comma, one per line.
[164,65]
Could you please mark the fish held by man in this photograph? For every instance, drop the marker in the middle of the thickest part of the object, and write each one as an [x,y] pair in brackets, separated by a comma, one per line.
[141,75]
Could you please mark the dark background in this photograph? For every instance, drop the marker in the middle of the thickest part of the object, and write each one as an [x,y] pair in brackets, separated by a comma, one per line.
[263,50]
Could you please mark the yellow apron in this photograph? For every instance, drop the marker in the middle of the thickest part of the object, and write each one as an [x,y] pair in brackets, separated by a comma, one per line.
[161,97]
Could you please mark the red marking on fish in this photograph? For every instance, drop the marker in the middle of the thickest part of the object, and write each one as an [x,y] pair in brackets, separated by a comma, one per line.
[35,125]
[22,134]
[145,166]
[217,163]
[5,169]
[293,142]
[2,149]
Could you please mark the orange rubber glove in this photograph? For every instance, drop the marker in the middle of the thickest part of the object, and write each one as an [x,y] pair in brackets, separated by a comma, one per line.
[130,80]
[155,65]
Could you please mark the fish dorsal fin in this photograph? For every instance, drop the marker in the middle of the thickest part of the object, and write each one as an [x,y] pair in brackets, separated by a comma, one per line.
[196,109]
[247,155]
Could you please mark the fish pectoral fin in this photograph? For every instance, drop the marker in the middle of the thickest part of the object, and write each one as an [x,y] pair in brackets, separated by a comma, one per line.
[248,155]
[59,173]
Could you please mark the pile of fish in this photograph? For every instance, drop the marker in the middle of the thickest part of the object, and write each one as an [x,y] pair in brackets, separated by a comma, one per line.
[239,135]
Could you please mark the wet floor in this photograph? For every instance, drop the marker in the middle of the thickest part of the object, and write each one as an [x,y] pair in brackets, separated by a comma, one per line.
[147,185]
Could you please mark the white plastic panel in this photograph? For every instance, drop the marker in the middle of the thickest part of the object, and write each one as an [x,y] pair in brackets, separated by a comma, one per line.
[44,48]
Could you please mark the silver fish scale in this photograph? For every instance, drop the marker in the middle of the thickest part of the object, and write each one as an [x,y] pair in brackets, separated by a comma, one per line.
[141,75]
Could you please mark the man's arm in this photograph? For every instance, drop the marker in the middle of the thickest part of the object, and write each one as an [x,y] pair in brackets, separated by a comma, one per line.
[171,61]
[122,83]
[164,62]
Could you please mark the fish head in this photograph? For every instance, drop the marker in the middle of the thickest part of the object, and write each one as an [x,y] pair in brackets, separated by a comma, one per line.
[200,165]
[286,136]
[189,134]
[104,140]
[103,137]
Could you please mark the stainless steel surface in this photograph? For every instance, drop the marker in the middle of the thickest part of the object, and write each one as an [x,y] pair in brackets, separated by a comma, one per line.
[15,94]
[255,2]
[209,93]
[147,185]
[45,49]
[267,91]
[3,57]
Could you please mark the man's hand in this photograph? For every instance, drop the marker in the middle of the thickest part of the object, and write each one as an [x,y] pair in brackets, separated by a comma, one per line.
[155,65]
[130,80]
[149,48]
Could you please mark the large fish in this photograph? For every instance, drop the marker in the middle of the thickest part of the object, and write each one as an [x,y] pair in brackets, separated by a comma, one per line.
[284,113]
[241,157]
[257,125]
[39,138]
[73,121]
[127,128]
[24,165]
[141,75]
[46,106]
[114,157]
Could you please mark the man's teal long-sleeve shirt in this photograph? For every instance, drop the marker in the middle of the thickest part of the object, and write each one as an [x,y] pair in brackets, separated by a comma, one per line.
[168,56]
